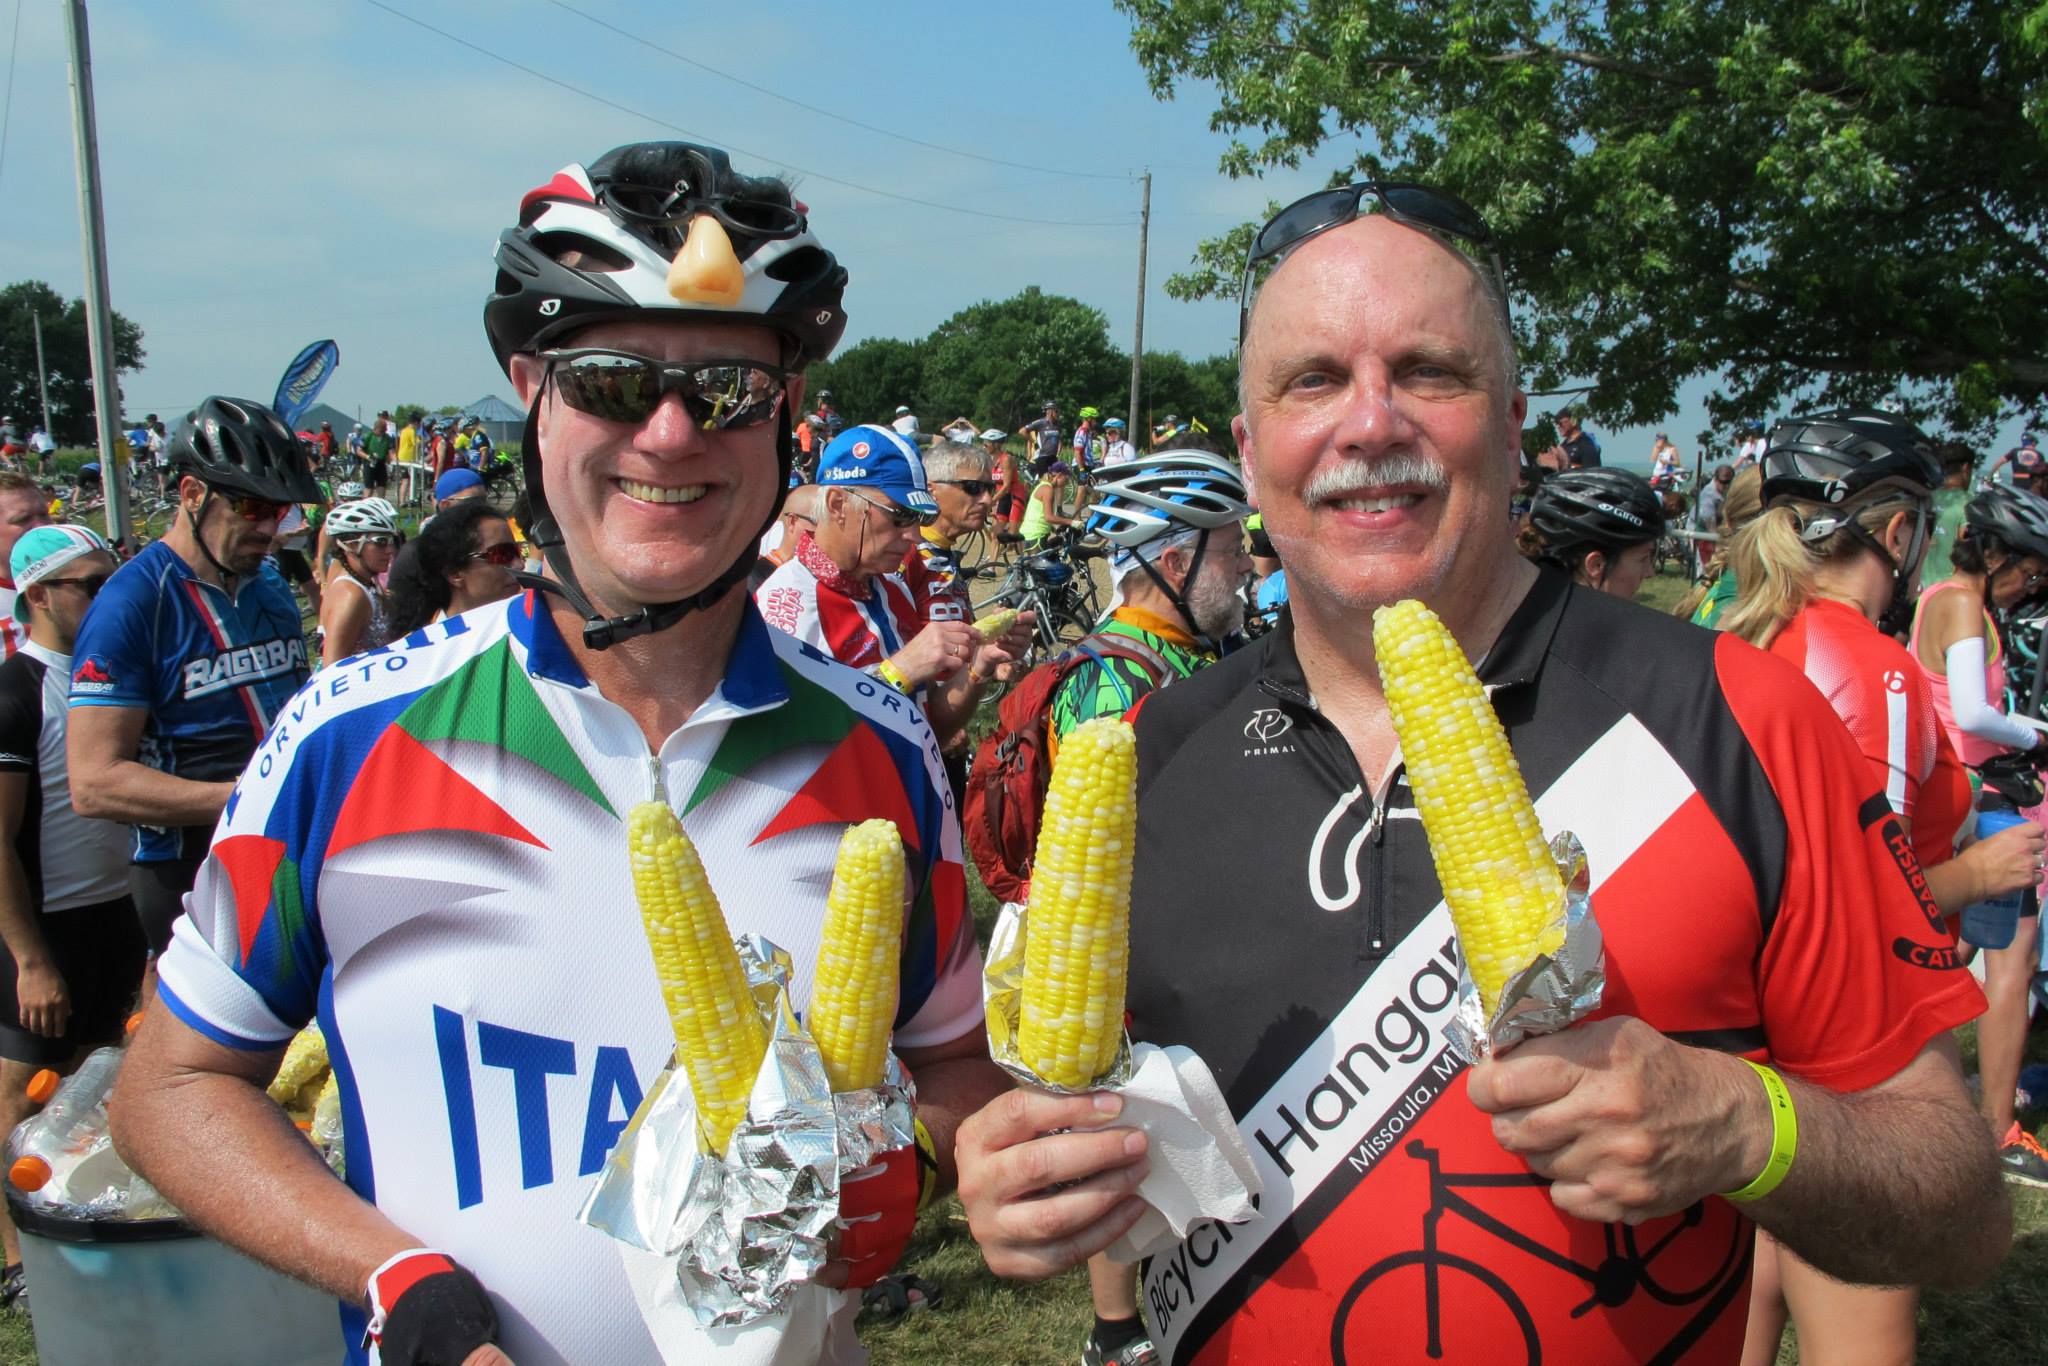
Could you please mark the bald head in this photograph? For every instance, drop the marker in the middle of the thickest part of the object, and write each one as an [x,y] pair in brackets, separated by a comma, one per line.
[1373,257]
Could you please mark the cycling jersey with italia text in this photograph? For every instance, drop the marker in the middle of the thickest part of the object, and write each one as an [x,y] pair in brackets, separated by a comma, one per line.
[856,623]
[1756,894]
[210,669]
[429,856]
[1882,696]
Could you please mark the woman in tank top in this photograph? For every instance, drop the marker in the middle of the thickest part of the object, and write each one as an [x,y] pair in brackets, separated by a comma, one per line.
[2001,562]
[354,615]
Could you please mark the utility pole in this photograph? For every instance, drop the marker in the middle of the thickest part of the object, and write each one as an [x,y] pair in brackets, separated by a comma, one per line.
[42,375]
[1138,341]
[99,312]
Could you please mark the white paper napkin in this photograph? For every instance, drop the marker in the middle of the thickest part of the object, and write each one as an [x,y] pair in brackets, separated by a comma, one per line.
[815,1330]
[1201,1168]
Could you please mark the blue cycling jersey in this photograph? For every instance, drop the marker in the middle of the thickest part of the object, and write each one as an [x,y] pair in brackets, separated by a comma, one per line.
[211,671]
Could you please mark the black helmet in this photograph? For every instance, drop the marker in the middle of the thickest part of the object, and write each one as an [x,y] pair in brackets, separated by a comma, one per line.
[242,447]
[1844,456]
[1600,509]
[597,244]
[2015,518]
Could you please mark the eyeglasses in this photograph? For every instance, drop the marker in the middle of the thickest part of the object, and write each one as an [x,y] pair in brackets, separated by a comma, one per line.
[973,488]
[504,555]
[1419,206]
[90,586]
[902,518]
[257,509]
[618,386]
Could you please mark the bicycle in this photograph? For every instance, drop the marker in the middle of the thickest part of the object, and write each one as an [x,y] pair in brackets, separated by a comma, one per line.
[1626,1268]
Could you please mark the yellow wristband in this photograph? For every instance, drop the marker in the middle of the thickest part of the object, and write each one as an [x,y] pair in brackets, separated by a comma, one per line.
[927,1164]
[893,676]
[1784,1139]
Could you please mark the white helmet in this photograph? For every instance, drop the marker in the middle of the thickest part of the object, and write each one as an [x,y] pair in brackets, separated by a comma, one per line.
[1162,494]
[382,505]
[994,434]
[348,491]
[362,518]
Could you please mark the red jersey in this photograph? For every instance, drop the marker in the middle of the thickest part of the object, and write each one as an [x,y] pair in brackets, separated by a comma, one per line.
[932,573]
[1757,897]
[1882,696]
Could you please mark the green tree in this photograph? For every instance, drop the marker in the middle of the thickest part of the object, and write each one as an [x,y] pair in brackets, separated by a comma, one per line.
[868,381]
[66,358]
[997,362]
[1817,200]
[1176,386]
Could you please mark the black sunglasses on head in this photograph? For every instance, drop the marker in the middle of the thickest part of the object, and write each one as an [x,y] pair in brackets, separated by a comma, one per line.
[619,386]
[1419,206]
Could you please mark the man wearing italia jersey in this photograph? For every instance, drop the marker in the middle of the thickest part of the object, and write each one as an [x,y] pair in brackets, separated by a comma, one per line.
[429,855]
[1759,901]
[190,652]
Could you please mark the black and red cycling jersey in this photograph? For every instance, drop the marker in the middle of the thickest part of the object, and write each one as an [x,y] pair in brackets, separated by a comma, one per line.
[1757,896]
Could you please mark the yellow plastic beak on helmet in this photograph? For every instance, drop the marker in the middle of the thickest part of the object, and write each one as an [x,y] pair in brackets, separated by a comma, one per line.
[706,271]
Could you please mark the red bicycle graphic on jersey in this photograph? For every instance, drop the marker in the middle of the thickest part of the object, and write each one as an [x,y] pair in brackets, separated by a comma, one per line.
[1627,1268]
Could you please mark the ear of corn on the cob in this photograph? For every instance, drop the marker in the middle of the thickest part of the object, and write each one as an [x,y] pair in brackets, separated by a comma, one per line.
[720,1035]
[1498,877]
[996,623]
[853,995]
[1077,932]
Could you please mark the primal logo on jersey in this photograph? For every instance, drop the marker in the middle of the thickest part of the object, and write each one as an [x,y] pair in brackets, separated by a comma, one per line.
[244,665]
[92,677]
[1267,725]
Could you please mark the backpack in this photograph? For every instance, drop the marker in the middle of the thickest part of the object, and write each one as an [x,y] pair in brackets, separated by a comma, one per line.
[1005,797]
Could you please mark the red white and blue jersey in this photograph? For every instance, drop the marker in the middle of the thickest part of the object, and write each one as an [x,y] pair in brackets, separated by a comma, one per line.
[210,669]
[429,855]
[860,624]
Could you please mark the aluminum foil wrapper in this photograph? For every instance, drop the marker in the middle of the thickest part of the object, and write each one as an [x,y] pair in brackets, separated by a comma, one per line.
[1002,996]
[746,1227]
[1551,992]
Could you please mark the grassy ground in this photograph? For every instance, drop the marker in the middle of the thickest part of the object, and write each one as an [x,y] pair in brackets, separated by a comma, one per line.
[985,1320]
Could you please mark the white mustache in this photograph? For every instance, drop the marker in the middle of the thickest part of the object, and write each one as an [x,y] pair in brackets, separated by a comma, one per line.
[1354,477]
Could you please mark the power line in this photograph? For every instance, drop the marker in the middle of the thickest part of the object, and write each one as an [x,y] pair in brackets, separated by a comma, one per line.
[690,133]
[7,104]
[830,114]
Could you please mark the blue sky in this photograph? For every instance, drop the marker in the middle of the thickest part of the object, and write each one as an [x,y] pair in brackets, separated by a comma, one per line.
[277,171]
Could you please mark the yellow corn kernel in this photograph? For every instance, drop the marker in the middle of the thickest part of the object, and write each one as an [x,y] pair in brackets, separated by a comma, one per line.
[996,623]
[720,1035]
[853,994]
[304,1060]
[1499,880]
[1077,919]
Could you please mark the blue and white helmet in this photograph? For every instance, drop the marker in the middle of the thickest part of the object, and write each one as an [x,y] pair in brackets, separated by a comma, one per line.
[1167,493]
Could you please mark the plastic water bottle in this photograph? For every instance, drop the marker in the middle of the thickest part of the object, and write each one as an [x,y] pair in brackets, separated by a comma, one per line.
[1992,924]
[69,1127]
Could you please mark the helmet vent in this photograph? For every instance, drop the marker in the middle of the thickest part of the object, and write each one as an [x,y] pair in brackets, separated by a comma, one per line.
[577,252]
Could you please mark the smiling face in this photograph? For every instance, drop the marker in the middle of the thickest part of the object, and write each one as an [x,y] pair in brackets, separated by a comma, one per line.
[654,511]
[1380,435]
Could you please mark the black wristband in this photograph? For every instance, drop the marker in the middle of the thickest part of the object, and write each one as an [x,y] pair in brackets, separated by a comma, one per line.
[438,1321]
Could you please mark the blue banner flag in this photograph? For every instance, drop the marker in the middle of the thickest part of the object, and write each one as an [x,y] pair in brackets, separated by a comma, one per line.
[303,380]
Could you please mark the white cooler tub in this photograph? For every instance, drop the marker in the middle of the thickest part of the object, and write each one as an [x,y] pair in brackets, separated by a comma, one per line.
[158,1294]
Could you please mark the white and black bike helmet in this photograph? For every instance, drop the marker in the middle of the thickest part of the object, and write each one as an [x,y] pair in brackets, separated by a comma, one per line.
[596,244]
[1165,494]
[361,518]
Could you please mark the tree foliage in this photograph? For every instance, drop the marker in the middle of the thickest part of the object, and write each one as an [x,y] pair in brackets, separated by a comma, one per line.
[67,359]
[1819,200]
[997,362]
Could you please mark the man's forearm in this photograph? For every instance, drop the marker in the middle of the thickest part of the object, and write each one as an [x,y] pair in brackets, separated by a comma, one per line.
[1890,1189]
[233,1164]
[137,794]
[18,927]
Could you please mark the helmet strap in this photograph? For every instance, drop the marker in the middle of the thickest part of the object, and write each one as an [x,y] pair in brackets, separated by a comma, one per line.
[601,632]
[1178,596]
[193,520]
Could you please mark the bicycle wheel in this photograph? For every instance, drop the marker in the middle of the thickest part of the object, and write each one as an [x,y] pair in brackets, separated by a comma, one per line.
[1394,1320]
[970,550]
